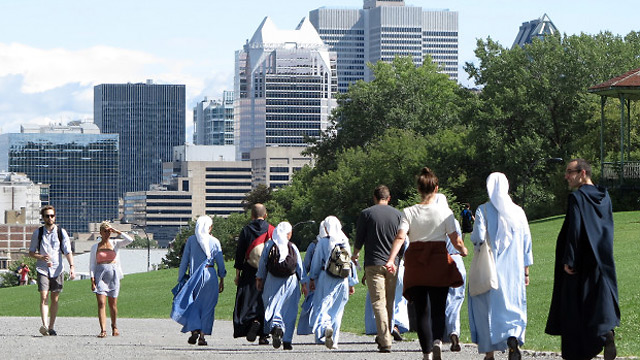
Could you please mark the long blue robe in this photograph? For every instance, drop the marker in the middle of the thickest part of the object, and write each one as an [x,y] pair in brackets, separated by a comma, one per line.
[280,295]
[498,314]
[331,294]
[304,325]
[455,298]
[194,306]
[400,311]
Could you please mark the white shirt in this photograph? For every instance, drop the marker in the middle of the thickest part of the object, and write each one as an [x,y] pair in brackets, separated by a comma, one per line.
[431,222]
[50,246]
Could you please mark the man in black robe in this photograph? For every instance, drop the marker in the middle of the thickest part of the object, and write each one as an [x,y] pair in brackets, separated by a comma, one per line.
[584,306]
[248,314]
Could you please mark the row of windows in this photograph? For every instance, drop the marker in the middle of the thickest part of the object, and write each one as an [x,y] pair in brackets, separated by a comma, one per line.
[285,140]
[401,29]
[440,46]
[292,125]
[280,169]
[228,169]
[440,33]
[282,109]
[175,204]
[227,183]
[279,177]
[303,102]
[165,211]
[343,31]
[228,191]
[223,205]
[223,198]
[155,197]
[272,117]
[293,132]
[246,176]
[442,52]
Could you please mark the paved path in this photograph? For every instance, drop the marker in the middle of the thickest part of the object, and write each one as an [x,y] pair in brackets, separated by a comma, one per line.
[161,339]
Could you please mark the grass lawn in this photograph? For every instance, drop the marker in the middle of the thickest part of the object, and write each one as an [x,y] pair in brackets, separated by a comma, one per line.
[148,295]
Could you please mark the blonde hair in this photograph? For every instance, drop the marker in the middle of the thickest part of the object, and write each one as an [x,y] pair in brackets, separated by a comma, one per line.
[104,225]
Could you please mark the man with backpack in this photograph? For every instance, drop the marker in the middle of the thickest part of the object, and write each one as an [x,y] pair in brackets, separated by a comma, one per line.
[48,244]
[376,229]
[278,278]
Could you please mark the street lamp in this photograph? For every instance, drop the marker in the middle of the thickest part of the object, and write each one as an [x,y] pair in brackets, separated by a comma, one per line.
[303,223]
[556,160]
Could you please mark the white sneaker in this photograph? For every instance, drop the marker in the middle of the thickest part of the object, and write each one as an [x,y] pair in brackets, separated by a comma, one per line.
[437,350]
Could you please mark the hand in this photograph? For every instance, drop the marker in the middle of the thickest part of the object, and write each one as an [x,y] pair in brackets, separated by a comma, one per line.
[464,252]
[259,284]
[352,290]
[569,270]
[45,257]
[312,285]
[391,267]
[72,273]
[237,279]
[93,285]
[305,290]
[354,258]
[221,285]
[526,281]
[364,279]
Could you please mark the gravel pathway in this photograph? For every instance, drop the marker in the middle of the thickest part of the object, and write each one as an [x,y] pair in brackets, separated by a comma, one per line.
[161,339]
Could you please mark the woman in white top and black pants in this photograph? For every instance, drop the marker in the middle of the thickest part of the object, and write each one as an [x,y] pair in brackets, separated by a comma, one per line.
[429,270]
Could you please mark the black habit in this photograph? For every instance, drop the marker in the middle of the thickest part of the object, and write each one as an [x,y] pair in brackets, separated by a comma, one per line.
[584,306]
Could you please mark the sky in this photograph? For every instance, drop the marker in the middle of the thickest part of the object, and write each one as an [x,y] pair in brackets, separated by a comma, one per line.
[53,52]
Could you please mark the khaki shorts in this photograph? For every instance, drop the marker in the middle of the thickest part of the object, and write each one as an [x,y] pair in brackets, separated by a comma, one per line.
[46,283]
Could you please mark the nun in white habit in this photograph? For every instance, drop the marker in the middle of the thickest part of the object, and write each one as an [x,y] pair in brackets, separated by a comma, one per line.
[331,293]
[498,318]
[280,295]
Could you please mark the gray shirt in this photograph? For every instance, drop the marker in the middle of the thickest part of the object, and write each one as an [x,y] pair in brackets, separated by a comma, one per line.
[51,246]
[376,229]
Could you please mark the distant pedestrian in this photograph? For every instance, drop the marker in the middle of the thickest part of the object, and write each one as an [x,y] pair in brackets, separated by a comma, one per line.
[584,305]
[376,229]
[428,270]
[333,277]
[498,318]
[278,278]
[48,244]
[106,272]
[194,304]
[467,220]
[23,274]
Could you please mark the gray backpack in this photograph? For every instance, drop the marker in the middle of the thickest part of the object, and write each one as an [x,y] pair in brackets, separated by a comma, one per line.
[339,264]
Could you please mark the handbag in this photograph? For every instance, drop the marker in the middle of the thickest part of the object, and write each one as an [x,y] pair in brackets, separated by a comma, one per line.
[482,273]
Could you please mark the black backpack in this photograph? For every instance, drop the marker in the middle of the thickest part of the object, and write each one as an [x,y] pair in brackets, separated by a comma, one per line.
[41,234]
[282,269]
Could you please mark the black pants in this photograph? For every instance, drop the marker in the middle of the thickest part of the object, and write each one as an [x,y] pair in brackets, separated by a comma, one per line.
[430,304]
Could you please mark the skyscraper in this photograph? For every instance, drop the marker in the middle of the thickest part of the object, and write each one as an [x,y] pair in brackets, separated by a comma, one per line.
[213,121]
[285,81]
[150,120]
[79,164]
[537,28]
[383,29]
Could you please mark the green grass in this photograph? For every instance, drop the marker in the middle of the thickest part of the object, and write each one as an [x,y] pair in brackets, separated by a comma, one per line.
[148,295]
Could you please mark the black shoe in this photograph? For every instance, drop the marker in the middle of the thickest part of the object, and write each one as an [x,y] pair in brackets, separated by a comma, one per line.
[193,338]
[287,346]
[514,352]
[385,350]
[264,340]
[396,334]
[455,343]
[253,331]
[54,333]
[610,351]
[277,336]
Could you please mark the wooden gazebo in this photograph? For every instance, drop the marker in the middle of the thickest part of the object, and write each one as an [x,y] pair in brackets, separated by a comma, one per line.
[626,88]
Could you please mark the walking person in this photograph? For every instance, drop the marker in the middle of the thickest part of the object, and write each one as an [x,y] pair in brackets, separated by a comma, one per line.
[467,220]
[48,244]
[248,313]
[498,318]
[429,272]
[23,274]
[106,272]
[584,305]
[376,229]
[278,278]
[333,278]
[305,323]
[194,304]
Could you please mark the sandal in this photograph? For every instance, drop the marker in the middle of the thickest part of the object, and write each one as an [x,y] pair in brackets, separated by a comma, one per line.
[114,331]
[194,337]
[202,342]
[103,334]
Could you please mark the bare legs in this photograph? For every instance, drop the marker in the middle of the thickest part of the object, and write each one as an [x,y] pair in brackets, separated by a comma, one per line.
[102,314]
[48,312]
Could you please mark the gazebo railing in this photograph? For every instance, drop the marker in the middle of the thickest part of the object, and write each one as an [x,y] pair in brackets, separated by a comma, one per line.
[630,172]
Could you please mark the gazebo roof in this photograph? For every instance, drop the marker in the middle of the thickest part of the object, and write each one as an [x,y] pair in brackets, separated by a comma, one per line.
[627,84]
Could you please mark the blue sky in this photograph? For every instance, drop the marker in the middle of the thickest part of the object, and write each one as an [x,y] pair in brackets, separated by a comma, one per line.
[52,52]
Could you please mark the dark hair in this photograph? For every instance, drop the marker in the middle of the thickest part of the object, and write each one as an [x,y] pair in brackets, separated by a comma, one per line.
[467,205]
[258,211]
[45,208]
[427,181]
[582,164]
[381,192]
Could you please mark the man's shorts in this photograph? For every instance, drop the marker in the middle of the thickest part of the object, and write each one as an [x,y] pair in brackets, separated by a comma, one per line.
[46,283]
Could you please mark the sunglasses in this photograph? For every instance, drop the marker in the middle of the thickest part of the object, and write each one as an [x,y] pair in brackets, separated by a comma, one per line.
[49,216]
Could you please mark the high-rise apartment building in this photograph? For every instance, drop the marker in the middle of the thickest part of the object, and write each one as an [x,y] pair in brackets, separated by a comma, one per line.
[150,119]
[19,199]
[537,28]
[213,121]
[79,164]
[382,30]
[285,82]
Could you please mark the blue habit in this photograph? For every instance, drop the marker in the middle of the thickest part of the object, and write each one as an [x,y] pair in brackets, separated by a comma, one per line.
[194,306]
[304,325]
[331,294]
[280,295]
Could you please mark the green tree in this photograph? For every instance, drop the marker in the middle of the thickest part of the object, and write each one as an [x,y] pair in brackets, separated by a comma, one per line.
[174,254]
[141,243]
[260,195]
[10,278]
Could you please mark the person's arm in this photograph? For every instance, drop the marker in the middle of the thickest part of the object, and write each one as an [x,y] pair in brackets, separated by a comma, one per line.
[395,248]
[34,252]
[185,260]
[574,225]
[457,243]
[261,274]
[66,250]
[124,241]
[222,270]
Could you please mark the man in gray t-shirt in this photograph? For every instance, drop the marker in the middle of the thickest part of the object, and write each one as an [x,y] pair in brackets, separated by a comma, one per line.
[377,227]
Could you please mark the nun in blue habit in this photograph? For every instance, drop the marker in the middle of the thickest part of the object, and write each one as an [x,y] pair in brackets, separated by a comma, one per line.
[194,304]
[331,293]
[281,295]
[305,325]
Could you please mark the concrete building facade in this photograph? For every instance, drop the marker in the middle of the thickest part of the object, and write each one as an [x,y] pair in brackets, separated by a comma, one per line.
[213,121]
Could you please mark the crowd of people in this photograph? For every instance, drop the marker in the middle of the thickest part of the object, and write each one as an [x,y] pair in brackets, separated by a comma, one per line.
[412,258]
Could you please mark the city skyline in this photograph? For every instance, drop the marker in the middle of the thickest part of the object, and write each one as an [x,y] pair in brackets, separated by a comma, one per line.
[53,53]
